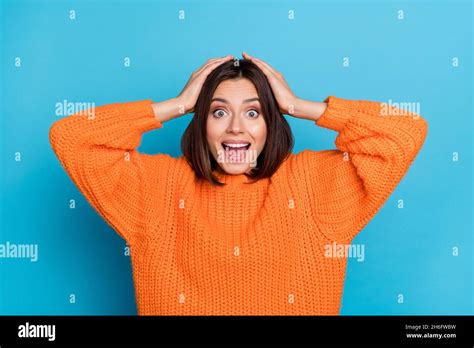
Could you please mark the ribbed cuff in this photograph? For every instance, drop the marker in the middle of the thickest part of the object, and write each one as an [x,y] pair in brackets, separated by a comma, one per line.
[338,112]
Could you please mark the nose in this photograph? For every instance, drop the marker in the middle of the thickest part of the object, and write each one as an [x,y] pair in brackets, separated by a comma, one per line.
[235,124]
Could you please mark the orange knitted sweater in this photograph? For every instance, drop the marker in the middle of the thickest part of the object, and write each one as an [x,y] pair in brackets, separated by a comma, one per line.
[241,249]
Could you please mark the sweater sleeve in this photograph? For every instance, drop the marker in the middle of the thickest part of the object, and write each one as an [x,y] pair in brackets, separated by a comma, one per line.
[99,154]
[375,145]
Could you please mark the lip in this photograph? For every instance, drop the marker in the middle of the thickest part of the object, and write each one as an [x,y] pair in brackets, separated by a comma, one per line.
[233,141]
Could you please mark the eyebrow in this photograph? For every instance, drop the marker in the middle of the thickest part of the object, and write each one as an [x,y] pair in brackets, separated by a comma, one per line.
[225,101]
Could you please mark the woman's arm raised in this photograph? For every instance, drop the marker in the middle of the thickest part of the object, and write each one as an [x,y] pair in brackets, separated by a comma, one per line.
[375,147]
[100,155]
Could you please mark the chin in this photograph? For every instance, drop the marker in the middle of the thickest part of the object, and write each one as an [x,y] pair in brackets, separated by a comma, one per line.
[235,169]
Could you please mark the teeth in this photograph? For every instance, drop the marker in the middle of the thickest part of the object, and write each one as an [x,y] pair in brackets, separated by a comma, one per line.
[235,145]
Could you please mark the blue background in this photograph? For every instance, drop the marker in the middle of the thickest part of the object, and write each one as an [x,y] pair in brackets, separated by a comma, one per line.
[408,251]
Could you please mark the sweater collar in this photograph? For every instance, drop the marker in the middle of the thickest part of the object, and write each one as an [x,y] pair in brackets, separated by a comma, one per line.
[232,179]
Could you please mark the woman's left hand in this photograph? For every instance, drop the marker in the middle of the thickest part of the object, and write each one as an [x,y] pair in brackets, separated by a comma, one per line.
[283,94]
[288,103]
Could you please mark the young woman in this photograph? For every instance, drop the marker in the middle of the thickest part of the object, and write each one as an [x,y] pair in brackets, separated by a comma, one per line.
[238,225]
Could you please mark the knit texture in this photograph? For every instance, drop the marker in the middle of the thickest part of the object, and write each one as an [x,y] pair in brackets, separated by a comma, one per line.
[241,249]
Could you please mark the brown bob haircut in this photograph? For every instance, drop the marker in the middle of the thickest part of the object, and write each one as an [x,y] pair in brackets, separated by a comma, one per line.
[279,142]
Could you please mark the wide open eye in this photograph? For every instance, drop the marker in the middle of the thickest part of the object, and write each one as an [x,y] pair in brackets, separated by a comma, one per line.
[218,113]
[253,113]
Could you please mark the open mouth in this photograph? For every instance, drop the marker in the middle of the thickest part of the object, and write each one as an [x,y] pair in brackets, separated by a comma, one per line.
[235,147]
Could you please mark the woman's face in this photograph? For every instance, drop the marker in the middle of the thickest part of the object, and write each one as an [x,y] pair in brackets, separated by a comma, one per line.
[236,130]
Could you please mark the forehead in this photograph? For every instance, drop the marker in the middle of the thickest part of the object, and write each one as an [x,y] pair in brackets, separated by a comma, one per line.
[236,90]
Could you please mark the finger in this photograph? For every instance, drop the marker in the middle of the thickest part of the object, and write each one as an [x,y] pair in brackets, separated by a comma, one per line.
[268,66]
[270,74]
[211,66]
[210,61]
[260,63]
[265,64]
[202,67]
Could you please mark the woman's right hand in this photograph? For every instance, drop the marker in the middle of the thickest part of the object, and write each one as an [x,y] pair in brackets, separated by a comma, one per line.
[190,92]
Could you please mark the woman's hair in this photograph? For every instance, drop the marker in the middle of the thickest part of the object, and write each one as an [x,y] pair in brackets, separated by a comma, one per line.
[279,141]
